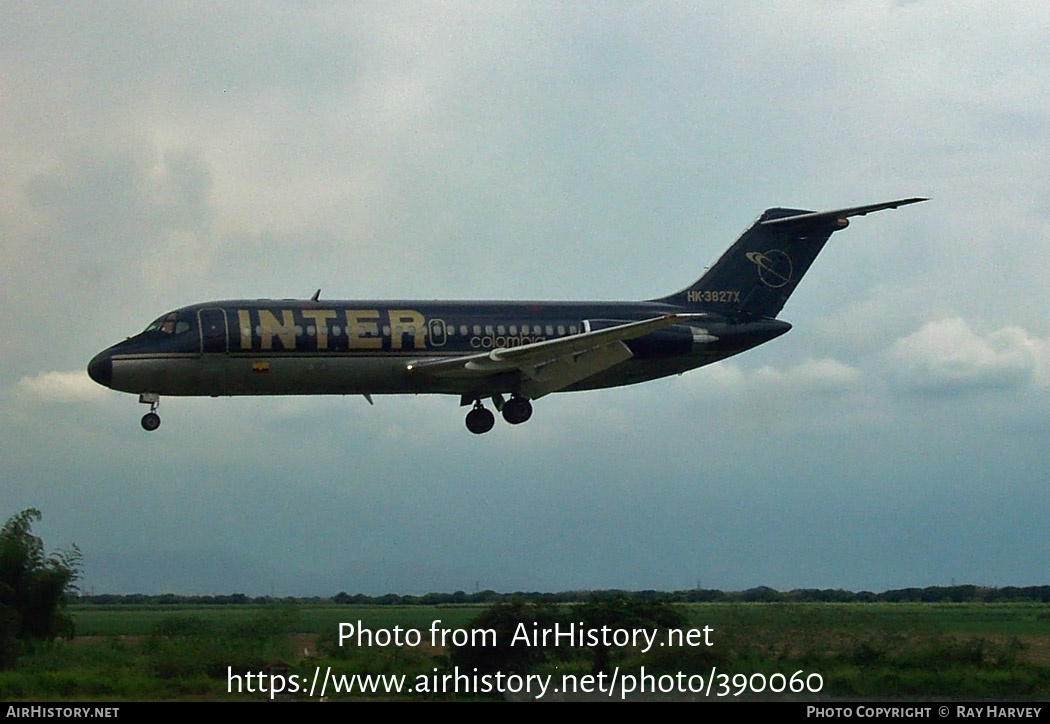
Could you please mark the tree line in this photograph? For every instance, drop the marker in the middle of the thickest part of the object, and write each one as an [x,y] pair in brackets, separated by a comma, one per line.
[763,594]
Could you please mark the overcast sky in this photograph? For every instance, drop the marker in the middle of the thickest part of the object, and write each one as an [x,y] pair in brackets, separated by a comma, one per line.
[156,155]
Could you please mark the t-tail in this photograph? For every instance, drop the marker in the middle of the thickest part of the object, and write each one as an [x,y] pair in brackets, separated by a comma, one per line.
[758,273]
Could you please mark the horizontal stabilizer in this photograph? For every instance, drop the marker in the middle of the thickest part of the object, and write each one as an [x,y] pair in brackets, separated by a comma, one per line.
[818,216]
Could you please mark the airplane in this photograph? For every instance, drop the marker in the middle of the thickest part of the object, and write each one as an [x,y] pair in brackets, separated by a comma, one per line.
[510,352]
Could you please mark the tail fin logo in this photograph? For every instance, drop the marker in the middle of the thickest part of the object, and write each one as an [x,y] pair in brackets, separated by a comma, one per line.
[774,267]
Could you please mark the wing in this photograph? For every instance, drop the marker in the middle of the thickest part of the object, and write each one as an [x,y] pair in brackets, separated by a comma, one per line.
[550,365]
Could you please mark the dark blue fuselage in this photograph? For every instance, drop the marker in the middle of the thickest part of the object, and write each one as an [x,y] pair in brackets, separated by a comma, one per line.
[246,347]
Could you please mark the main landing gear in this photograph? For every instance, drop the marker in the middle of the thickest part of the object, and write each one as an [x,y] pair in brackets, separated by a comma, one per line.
[480,420]
[151,420]
[516,410]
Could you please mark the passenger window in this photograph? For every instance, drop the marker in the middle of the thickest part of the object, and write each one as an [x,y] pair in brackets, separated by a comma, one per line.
[513,329]
[488,329]
[335,330]
[561,329]
[572,329]
[463,330]
[477,329]
[501,329]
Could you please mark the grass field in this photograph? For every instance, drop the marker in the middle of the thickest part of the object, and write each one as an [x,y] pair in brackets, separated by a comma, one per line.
[883,650]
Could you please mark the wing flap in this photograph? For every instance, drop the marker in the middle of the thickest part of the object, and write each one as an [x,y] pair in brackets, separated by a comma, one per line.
[564,371]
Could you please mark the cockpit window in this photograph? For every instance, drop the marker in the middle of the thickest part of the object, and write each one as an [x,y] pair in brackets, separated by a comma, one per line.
[169,324]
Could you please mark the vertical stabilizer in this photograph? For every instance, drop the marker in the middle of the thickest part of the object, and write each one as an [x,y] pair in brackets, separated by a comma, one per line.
[757,274]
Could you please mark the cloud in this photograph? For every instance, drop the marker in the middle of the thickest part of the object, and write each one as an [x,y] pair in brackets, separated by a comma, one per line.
[812,375]
[60,387]
[829,376]
[948,356]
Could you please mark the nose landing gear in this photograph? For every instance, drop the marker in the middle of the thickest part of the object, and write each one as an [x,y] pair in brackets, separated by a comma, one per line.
[151,420]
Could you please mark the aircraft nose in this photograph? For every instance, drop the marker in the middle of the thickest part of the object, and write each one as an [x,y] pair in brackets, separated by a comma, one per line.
[100,368]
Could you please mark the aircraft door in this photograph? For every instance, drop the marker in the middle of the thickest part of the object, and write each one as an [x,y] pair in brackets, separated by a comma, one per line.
[213,330]
[438,333]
